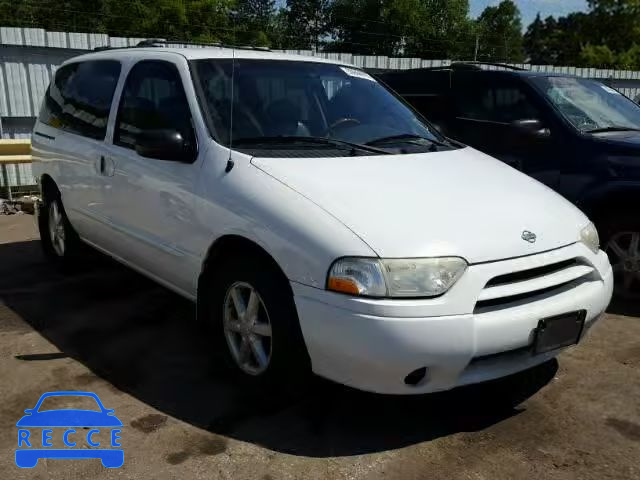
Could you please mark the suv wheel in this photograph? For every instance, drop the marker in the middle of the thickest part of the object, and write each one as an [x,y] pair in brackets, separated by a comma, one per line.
[622,245]
[255,323]
[59,240]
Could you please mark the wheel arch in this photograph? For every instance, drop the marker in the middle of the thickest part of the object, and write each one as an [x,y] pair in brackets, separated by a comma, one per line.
[225,247]
[48,187]
[619,199]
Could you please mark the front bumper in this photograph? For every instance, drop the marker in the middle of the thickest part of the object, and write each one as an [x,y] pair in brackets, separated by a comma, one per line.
[373,345]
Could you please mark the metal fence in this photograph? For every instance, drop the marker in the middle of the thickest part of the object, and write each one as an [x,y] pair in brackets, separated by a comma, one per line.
[30,56]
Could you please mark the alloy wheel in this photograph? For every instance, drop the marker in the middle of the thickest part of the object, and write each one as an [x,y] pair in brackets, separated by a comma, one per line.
[247,328]
[624,253]
[56,229]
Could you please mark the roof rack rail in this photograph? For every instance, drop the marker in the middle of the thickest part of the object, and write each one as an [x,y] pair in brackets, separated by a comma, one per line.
[156,42]
[477,65]
[159,42]
[455,65]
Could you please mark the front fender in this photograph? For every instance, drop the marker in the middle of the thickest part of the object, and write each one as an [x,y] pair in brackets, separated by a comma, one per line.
[299,235]
[619,194]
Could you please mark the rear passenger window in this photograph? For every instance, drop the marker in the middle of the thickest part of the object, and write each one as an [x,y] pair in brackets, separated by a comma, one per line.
[153,99]
[79,98]
[503,104]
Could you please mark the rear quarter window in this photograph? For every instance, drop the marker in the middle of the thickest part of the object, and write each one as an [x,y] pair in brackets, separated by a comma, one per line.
[79,98]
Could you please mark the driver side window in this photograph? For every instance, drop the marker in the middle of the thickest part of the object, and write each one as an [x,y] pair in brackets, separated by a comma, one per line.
[499,103]
[153,99]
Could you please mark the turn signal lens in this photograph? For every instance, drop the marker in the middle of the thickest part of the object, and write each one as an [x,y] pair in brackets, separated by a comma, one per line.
[344,285]
[357,276]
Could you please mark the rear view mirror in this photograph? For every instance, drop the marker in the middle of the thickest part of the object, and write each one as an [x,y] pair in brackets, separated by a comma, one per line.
[164,144]
[532,127]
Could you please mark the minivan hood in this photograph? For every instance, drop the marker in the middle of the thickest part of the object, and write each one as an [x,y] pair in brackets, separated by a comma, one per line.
[459,202]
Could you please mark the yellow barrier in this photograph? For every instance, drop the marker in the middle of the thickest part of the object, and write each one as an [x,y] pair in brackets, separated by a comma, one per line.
[15,151]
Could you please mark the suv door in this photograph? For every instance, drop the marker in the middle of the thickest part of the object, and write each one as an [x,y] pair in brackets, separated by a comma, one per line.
[70,134]
[428,91]
[487,108]
[151,204]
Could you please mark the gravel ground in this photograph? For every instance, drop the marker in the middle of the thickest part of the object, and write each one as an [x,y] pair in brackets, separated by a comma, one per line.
[108,330]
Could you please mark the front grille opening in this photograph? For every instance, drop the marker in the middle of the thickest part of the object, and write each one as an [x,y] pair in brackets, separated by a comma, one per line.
[532,273]
[505,355]
[504,302]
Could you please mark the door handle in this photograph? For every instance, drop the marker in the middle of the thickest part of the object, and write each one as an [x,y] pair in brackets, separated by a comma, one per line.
[102,162]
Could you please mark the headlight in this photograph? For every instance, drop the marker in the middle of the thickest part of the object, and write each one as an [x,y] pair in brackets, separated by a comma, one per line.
[411,277]
[589,236]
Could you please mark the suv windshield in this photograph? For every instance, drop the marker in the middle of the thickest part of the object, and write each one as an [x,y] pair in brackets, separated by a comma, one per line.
[590,106]
[305,105]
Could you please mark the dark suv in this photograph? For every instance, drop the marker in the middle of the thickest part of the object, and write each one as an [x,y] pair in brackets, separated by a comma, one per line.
[578,136]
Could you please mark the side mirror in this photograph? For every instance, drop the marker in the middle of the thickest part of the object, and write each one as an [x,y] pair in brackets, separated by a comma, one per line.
[163,144]
[29,410]
[531,127]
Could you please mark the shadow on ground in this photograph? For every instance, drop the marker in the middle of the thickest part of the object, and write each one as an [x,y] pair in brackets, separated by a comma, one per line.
[627,307]
[143,340]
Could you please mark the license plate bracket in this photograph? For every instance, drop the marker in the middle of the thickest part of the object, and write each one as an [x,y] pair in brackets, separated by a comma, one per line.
[558,331]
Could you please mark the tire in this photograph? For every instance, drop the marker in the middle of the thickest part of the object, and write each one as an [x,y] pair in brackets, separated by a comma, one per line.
[60,242]
[621,241]
[252,316]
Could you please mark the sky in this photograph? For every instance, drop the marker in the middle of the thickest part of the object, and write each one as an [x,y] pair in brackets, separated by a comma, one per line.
[530,8]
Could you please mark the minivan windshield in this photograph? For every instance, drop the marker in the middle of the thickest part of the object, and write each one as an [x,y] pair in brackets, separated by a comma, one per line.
[305,105]
[590,106]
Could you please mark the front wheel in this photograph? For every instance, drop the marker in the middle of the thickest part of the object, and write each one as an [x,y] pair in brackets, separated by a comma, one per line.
[254,320]
[622,244]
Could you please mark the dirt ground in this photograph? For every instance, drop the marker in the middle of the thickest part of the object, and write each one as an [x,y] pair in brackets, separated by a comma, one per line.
[108,330]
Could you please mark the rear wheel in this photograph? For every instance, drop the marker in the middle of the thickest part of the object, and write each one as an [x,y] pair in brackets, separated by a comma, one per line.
[59,240]
[622,244]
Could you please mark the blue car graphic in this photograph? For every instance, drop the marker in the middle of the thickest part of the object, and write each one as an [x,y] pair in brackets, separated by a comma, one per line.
[69,418]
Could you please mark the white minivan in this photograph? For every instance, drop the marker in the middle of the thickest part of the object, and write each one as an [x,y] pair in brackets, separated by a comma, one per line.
[319,222]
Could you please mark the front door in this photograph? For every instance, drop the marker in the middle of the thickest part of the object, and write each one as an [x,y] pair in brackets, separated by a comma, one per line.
[487,109]
[151,202]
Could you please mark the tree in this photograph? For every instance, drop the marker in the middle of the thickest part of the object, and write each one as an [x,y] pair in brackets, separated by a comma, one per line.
[72,15]
[441,30]
[422,28]
[202,20]
[615,23]
[599,56]
[561,41]
[306,23]
[630,59]
[536,41]
[500,30]
[255,22]
[369,27]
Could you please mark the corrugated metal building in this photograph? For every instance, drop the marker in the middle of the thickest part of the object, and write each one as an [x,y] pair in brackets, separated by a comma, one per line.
[29,58]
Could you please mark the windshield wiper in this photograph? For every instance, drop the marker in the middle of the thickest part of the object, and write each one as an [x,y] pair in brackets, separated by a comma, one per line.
[613,128]
[293,139]
[409,137]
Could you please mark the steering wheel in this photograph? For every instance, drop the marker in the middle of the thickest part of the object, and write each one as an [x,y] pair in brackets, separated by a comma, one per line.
[342,121]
